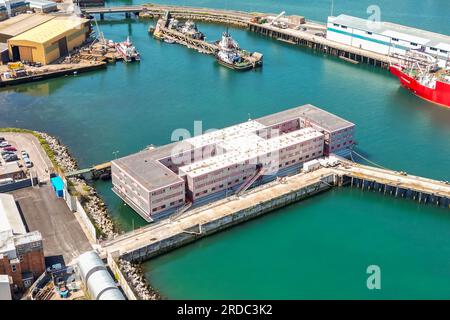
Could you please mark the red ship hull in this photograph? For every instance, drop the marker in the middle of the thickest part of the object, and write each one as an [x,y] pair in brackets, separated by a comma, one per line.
[440,95]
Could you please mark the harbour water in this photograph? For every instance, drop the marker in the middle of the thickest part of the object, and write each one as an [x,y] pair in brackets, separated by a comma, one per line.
[319,248]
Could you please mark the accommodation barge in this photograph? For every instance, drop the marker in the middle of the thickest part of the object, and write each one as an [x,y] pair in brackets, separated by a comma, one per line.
[173,178]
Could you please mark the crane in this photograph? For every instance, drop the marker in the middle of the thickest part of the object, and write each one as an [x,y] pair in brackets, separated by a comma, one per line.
[277,23]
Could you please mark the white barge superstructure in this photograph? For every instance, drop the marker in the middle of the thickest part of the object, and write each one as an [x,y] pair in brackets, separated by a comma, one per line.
[205,168]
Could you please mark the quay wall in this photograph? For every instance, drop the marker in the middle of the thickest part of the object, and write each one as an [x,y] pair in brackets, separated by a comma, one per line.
[390,184]
[53,74]
[244,20]
[201,230]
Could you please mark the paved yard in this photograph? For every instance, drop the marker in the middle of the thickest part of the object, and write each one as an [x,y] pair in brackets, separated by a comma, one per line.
[29,143]
[61,232]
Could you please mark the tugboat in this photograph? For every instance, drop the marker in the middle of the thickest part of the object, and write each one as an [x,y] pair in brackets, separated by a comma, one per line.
[420,73]
[231,56]
[190,29]
[128,51]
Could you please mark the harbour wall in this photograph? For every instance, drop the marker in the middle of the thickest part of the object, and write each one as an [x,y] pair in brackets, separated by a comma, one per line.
[153,240]
[72,71]
[245,20]
[202,230]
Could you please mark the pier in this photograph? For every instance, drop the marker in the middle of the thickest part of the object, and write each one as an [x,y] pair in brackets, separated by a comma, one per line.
[54,71]
[180,38]
[155,239]
[294,36]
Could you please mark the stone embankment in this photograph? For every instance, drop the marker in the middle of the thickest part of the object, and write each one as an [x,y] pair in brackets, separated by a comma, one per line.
[134,275]
[92,203]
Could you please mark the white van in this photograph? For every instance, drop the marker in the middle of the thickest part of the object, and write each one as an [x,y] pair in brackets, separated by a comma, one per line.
[6,181]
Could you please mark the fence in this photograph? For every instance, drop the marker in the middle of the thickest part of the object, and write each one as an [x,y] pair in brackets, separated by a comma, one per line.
[86,221]
[18,185]
[75,206]
[120,278]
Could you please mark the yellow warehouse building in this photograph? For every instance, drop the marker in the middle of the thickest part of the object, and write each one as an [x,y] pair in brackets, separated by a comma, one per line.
[50,40]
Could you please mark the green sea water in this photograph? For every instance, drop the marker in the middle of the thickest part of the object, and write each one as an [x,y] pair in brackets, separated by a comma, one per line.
[319,248]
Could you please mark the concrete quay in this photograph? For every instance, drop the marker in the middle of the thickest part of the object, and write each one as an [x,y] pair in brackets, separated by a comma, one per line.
[166,235]
[169,234]
[398,184]
[294,36]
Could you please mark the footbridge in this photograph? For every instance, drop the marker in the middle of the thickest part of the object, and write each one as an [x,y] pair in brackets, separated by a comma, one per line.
[232,17]
[100,171]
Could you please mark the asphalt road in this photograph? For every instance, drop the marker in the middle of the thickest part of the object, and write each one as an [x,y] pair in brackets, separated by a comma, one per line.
[61,232]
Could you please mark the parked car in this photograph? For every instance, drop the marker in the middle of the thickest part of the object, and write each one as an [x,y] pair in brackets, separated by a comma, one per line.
[5,152]
[7,156]
[4,144]
[11,158]
[24,154]
[28,163]
[2,139]
[10,149]
[6,181]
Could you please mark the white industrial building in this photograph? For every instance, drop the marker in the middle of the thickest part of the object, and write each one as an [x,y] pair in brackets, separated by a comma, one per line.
[386,38]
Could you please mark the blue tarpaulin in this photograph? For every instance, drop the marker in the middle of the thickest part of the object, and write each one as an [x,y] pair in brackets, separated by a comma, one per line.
[58,186]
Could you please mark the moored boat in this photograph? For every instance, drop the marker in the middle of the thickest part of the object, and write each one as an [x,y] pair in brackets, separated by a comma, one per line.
[127,51]
[419,73]
[190,29]
[231,56]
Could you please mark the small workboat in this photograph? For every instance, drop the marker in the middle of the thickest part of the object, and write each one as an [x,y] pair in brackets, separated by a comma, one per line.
[127,51]
[231,56]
